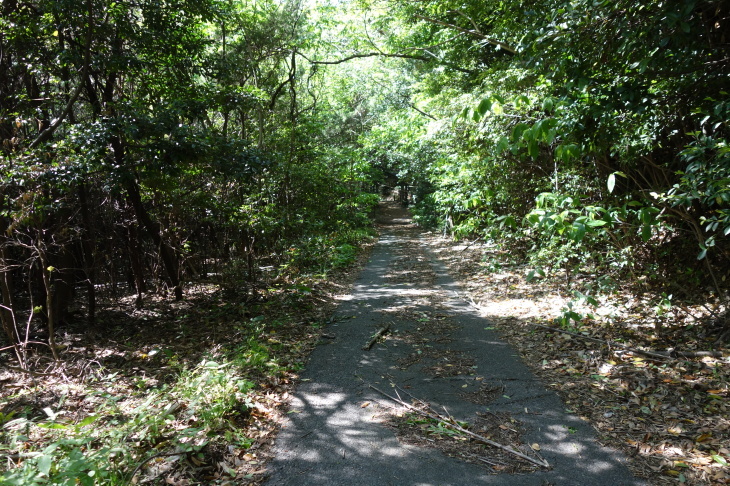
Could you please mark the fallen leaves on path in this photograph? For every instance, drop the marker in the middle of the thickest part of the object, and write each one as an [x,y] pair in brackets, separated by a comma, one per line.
[670,416]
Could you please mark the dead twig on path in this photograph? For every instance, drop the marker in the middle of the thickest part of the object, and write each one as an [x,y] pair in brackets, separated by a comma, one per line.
[450,424]
[381,332]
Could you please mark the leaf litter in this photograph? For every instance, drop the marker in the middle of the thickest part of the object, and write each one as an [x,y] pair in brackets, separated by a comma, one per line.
[133,355]
[668,414]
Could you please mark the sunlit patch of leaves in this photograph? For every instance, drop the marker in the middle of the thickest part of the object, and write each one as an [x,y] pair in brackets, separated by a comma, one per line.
[669,415]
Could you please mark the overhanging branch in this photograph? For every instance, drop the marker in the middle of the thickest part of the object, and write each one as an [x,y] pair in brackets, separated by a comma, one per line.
[385,54]
[475,33]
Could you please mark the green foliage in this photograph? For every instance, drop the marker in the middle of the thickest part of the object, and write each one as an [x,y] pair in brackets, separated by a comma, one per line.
[705,183]
[568,234]
[321,254]
[596,103]
[105,447]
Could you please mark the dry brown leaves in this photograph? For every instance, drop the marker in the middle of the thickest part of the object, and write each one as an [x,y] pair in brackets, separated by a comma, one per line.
[669,415]
[137,347]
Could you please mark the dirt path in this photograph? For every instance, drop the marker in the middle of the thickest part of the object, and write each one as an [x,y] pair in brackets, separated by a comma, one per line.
[340,431]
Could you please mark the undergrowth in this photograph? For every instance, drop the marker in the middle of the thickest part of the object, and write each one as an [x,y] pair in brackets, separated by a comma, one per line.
[173,391]
[122,429]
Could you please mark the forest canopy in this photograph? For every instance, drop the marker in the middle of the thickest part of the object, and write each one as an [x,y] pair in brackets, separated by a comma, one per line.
[167,140]
[147,147]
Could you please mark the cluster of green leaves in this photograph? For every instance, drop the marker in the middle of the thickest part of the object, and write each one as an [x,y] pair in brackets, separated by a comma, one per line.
[588,132]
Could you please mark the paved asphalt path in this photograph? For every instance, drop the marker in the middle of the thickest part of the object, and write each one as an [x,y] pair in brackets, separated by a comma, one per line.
[329,438]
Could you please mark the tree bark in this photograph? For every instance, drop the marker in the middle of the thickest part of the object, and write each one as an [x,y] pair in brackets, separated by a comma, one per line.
[87,247]
[167,253]
[135,260]
[48,286]
[7,310]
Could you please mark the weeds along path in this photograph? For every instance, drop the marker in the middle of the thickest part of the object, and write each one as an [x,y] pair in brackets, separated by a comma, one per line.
[341,431]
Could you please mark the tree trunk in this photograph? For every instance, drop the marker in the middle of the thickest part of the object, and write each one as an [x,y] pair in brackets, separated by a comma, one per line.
[50,308]
[135,260]
[7,311]
[167,253]
[87,247]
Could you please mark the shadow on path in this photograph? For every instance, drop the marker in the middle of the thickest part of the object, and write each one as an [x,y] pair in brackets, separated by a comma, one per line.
[335,433]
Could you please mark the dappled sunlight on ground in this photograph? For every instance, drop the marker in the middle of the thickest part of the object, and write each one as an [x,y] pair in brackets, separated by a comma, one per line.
[670,414]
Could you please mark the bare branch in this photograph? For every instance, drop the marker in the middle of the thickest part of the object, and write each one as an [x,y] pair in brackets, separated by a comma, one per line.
[471,20]
[381,332]
[422,112]
[385,54]
[453,425]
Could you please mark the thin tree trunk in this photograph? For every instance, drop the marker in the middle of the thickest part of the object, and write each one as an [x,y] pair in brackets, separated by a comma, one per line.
[7,310]
[87,245]
[50,309]
[135,260]
[167,253]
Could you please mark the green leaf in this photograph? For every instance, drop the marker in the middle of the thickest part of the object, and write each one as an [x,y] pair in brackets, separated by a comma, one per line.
[645,233]
[567,152]
[518,130]
[579,231]
[719,459]
[44,463]
[502,145]
[531,275]
[549,136]
[88,420]
[484,106]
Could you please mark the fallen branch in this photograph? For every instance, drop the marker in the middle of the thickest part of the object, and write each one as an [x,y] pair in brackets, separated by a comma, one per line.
[381,332]
[450,424]
[650,354]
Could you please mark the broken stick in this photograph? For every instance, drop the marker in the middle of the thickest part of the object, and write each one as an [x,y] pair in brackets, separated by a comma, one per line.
[381,332]
[451,425]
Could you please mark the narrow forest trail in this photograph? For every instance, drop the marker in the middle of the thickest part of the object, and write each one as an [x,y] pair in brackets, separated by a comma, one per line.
[340,431]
